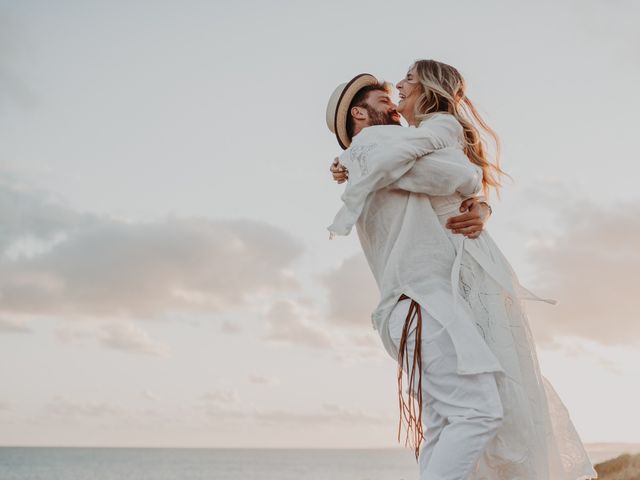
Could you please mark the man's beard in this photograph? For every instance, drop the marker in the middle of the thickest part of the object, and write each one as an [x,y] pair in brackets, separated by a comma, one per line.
[381,118]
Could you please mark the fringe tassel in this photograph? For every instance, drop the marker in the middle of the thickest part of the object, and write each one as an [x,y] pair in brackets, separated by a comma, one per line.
[408,409]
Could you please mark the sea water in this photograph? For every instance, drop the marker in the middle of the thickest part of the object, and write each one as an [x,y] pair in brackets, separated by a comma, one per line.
[46,463]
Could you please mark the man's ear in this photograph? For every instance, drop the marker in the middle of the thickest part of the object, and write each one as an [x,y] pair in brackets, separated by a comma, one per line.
[358,113]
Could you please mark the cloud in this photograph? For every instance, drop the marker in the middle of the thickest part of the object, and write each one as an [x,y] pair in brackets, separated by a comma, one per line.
[611,358]
[69,409]
[221,397]
[329,413]
[127,337]
[353,293]
[12,325]
[30,213]
[74,333]
[300,324]
[57,261]
[219,402]
[591,268]
[149,395]
[262,380]
[66,411]
[122,336]
[230,327]
[295,323]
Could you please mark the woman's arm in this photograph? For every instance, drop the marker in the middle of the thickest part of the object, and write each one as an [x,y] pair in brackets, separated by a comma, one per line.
[380,155]
[431,174]
[442,173]
[441,168]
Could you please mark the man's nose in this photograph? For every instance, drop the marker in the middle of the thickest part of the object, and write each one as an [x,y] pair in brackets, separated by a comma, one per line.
[399,85]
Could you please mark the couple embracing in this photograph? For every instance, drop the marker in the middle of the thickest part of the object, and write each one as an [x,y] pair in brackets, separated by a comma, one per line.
[451,307]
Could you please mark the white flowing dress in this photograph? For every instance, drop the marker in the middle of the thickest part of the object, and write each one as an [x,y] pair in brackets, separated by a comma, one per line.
[483,311]
[537,439]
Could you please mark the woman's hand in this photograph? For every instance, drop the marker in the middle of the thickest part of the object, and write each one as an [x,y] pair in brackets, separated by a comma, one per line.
[339,171]
[471,223]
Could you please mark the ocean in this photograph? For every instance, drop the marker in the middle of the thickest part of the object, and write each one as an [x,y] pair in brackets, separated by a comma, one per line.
[71,463]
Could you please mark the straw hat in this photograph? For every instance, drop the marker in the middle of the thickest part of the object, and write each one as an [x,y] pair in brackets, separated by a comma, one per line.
[338,106]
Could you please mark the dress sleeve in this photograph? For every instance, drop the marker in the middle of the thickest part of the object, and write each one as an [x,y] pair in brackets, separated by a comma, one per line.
[437,174]
[385,153]
[443,173]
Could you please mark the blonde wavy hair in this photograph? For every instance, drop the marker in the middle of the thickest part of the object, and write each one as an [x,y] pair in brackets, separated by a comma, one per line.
[444,90]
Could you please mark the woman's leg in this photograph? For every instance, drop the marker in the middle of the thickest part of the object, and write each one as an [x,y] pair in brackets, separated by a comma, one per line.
[462,412]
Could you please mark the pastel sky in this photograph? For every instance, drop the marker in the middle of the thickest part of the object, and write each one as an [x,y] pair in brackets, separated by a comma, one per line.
[166,277]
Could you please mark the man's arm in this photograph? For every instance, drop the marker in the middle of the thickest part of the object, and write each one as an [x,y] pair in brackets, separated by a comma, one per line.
[471,223]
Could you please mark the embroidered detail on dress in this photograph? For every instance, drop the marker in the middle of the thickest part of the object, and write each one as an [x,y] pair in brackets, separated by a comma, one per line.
[465,288]
[537,438]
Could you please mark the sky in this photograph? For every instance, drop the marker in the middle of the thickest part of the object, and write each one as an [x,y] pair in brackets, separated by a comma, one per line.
[166,277]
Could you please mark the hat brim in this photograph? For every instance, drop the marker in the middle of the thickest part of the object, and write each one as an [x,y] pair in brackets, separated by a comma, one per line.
[356,84]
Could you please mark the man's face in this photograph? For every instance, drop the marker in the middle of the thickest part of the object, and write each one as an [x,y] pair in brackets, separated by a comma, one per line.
[380,109]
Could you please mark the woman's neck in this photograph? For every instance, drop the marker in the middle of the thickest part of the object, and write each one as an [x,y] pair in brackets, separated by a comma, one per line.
[411,119]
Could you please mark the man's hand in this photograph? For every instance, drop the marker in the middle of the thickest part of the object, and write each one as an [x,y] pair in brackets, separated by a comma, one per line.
[472,221]
[339,171]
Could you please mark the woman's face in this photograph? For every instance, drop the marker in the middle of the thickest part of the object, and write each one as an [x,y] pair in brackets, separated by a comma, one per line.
[409,89]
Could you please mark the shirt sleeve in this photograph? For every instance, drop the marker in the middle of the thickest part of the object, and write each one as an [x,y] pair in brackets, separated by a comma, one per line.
[439,174]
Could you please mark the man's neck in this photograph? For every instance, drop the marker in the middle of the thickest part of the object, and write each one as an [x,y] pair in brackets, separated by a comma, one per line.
[359,127]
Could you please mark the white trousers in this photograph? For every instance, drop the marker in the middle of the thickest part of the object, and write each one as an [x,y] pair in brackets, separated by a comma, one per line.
[460,413]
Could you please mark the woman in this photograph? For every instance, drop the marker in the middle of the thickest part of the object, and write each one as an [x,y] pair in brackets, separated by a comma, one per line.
[536,439]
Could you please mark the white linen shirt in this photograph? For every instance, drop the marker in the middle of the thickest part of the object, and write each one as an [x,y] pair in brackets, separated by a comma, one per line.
[388,198]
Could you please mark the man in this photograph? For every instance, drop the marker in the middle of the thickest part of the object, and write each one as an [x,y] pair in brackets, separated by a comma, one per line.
[411,258]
